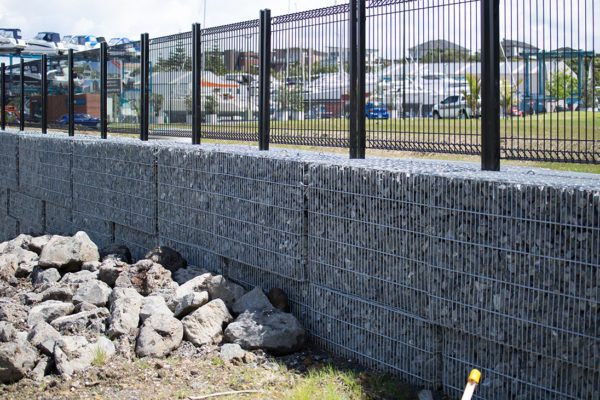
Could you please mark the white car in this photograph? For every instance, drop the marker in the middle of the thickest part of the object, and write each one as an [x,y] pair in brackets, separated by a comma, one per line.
[454,106]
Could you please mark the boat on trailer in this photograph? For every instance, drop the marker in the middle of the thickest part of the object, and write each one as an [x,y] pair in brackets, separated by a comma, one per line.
[11,40]
[45,43]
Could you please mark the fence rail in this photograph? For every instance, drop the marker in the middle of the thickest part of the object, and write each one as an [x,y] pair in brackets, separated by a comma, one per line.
[504,79]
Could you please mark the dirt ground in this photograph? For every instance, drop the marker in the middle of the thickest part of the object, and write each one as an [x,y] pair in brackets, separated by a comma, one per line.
[191,373]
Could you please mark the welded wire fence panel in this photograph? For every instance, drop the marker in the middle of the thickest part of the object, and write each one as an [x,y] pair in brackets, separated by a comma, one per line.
[33,94]
[423,75]
[229,83]
[549,80]
[86,80]
[171,85]
[124,96]
[13,95]
[309,77]
[58,92]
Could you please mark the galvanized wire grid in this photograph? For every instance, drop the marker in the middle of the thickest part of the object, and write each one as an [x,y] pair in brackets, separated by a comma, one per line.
[124,95]
[120,190]
[171,85]
[309,79]
[45,169]
[229,88]
[550,44]
[9,153]
[420,54]
[516,266]
[253,215]
[28,211]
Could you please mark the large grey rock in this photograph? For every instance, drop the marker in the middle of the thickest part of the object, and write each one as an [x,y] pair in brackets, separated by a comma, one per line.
[7,332]
[183,275]
[13,312]
[43,336]
[124,311]
[68,253]
[59,293]
[87,321]
[231,352]
[271,330]
[154,305]
[37,243]
[205,325]
[159,336]
[16,360]
[116,252]
[76,278]
[146,277]
[24,270]
[21,241]
[220,288]
[48,311]
[189,303]
[197,284]
[41,276]
[254,300]
[167,257]
[92,266]
[110,269]
[8,266]
[75,353]
[42,368]
[94,292]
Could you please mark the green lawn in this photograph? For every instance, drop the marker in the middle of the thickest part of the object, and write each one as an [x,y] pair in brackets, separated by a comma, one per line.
[551,135]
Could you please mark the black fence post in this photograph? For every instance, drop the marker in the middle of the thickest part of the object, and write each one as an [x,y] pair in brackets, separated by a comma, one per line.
[44,89]
[196,82]
[3,96]
[357,21]
[71,97]
[490,85]
[103,90]
[22,99]
[144,86]
[264,110]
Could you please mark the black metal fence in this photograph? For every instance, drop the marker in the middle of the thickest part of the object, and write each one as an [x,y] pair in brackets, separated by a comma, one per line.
[513,79]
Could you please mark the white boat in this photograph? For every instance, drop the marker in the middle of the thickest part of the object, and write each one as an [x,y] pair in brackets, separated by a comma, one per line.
[83,43]
[330,86]
[10,40]
[45,43]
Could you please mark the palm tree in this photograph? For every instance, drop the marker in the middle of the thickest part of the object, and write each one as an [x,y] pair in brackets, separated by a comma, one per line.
[507,95]
[472,96]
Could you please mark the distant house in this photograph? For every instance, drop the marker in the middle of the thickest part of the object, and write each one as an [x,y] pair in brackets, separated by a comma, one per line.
[436,47]
[240,60]
[514,48]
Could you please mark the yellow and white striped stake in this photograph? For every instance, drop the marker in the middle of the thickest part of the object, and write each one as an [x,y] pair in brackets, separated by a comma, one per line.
[472,382]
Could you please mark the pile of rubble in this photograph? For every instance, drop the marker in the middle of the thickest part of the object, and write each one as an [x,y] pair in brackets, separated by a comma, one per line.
[65,304]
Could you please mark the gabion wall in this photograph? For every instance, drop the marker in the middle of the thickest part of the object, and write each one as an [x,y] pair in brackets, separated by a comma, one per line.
[422,269]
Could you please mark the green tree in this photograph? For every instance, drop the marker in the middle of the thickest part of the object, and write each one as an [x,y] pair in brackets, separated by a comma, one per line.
[213,61]
[472,98]
[157,103]
[291,98]
[178,60]
[507,95]
[562,85]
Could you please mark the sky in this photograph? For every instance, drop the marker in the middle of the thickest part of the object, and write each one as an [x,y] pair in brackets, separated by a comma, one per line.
[117,18]
[543,27]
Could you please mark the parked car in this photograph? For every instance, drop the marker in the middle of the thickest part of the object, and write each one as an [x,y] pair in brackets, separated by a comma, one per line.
[80,119]
[454,106]
[376,111]
[532,106]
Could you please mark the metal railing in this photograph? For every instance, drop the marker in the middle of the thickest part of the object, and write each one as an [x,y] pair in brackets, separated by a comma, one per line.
[504,79]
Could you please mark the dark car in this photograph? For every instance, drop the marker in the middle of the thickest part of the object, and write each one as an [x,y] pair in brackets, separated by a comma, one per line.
[376,111]
[80,119]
